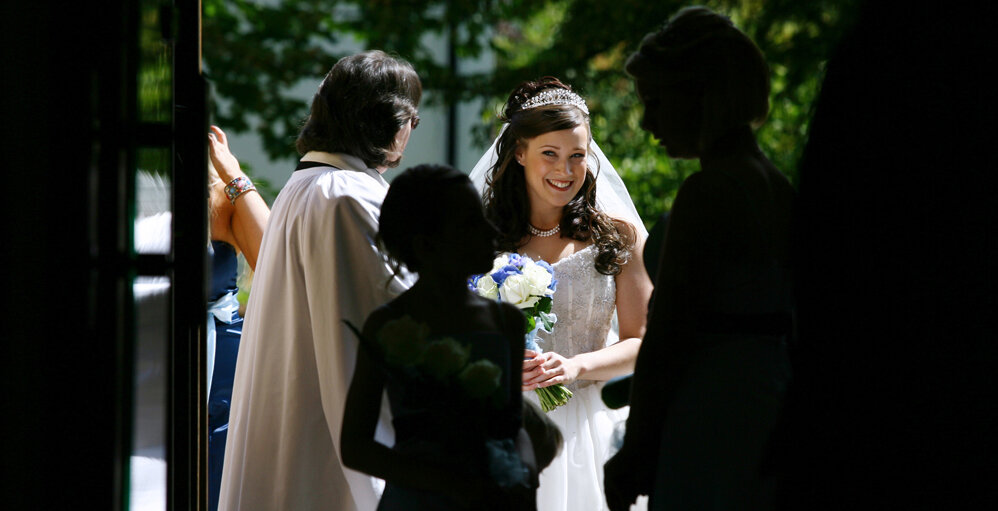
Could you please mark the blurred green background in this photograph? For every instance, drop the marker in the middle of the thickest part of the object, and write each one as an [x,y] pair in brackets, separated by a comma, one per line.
[257,54]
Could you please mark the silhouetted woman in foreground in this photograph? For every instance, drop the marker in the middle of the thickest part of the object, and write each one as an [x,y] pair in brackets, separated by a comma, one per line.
[711,375]
[449,360]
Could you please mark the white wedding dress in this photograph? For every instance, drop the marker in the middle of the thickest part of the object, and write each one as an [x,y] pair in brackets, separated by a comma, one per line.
[584,303]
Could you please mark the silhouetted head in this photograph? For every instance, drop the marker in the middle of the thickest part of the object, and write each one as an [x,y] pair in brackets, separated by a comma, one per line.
[543,161]
[432,217]
[366,107]
[699,77]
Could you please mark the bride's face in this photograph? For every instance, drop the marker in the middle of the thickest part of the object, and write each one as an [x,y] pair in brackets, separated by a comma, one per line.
[554,166]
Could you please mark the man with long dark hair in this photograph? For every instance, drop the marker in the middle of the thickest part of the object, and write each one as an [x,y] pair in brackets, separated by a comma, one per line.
[317,266]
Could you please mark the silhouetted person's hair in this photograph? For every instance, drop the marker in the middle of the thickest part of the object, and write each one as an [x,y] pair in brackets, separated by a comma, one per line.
[506,201]
[360,106]
[418,204]
[704,54]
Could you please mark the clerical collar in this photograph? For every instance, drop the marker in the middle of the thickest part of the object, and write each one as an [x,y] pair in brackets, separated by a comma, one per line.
[341,161]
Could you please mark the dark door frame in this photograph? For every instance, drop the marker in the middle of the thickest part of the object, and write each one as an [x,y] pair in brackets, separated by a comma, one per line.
[69,133]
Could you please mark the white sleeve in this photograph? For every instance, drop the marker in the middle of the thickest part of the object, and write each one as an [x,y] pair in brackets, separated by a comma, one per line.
[346,278]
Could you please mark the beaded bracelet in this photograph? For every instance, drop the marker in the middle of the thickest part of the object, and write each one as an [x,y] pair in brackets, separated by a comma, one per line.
[237,187]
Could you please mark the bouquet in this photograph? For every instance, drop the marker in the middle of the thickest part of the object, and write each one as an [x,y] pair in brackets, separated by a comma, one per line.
[437,363]
[529,285]
[407,346]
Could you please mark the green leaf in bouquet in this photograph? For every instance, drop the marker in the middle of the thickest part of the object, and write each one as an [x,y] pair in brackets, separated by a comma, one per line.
[547,321]
[544,304]
[531,323]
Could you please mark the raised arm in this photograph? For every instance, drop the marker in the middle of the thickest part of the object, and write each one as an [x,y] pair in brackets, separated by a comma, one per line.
[249,214]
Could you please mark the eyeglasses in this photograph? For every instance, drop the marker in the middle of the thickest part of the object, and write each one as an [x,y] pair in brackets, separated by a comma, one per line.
[414,121]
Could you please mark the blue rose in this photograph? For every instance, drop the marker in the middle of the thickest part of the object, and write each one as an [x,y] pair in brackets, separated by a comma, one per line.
[500,275]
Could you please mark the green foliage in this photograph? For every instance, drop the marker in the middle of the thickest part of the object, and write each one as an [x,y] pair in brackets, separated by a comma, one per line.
[255,54]
[155,78]
[594,38]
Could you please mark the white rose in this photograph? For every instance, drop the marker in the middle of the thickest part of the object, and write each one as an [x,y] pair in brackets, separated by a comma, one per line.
[539,279]
[486,287]
[500,261]
[516,289]
[480,378]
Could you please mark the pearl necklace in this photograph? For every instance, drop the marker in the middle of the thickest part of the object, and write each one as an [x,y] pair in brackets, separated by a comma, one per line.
[537,232]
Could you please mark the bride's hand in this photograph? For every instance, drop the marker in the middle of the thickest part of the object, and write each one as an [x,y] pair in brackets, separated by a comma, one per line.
[531,367]
[546,369]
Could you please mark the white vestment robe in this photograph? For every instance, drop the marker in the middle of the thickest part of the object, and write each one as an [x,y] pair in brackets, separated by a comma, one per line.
[318,265]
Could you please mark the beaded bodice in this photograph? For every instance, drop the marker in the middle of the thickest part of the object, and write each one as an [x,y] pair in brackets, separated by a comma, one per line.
[584,302]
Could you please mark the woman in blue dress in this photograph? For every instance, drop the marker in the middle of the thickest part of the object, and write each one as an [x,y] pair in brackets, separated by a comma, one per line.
[238,217]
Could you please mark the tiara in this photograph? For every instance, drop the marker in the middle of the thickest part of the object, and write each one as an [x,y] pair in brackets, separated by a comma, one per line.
[556,96]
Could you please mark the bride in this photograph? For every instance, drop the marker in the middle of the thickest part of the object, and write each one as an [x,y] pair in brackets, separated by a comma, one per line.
[540,182]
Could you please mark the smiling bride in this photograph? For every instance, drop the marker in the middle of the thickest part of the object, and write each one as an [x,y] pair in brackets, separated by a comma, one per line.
[554,196]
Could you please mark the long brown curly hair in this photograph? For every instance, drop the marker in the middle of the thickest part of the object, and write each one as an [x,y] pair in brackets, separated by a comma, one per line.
[506,201]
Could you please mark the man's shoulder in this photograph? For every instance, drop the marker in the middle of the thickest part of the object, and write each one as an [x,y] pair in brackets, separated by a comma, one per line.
[327,187]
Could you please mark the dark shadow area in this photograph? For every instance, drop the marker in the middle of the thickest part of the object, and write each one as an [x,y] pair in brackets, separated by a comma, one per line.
[58,379]
[894,405]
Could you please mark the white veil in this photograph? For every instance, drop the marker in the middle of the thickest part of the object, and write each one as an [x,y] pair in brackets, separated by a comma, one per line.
[611,194]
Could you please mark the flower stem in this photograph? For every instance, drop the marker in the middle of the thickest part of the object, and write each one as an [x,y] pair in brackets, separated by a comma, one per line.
[553,396]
